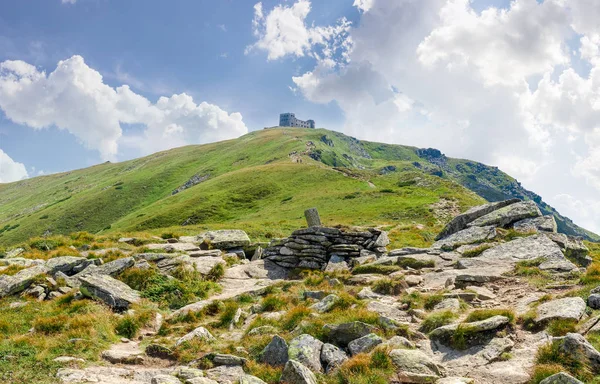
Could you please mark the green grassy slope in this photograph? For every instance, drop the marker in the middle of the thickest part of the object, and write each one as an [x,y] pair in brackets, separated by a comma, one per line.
[261,182]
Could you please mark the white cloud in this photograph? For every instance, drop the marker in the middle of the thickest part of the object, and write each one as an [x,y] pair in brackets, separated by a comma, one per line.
[68,1]
[507,87]
[363,5]
[283,31]
[75,98]
[11,170]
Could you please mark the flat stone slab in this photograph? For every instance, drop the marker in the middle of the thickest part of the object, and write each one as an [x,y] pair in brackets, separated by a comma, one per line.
[113,292]
[179,247]
[112,375]
[568,308]
[225,239]
[467,236]
[538,224]
[9,285]
[508,215]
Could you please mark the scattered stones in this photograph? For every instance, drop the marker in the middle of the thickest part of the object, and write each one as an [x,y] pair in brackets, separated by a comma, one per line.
[113,292]
[9,285]
[568,308]
[275,353]
[296,373]
[115,356]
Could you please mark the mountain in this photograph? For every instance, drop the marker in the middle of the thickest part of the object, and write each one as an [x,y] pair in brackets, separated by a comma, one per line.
[262,182]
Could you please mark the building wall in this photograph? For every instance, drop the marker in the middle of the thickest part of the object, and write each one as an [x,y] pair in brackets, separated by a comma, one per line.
[290,120]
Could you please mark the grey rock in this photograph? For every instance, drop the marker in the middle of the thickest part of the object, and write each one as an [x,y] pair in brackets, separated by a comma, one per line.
[68,359]
[122,357]
[364,344]
[568,308]
[450,303]
[115,267]
[326,304]
[317,295]
[594,301]
[332,357]
[306,350]
[165,379]
[159,351]
[455,380]
[538,224]
[336,264]
[296,373]
[561,378]
[508,215]
[67,264]
[187,373]
[275,353]
[113,292]
[577,346]
[467,236]
[198,333]
[9,285]
[475,333]
[397,342]
[201,380]
[249,379]
[225,374]
[414,366]
[495,348]
[14,252]
[225,239]
[383,240]
[224,359]
[344,333]
[460,222]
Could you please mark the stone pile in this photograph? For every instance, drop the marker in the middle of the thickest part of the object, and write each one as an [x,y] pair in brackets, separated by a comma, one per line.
[313,247]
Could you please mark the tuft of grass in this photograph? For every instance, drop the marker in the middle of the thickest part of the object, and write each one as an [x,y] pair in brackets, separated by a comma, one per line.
[294,316]
[409,262]
[550,355]
[388,286]
[127,327]
[12,270]
[560,327]
[216,272]
[430,301]
[436,320]
[272,303]
[482,314]
[376,269]
[474,252]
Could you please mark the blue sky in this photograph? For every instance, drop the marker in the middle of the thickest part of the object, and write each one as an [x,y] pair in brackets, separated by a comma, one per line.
[511,84]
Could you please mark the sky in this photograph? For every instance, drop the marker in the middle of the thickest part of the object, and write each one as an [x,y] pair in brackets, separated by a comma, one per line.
[515,84]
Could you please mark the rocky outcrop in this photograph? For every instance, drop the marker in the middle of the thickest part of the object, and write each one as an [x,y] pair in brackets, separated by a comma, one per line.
[9,285]
[508,215]
[312,248]
[464,335]
[538,224]
[467,236]
[113,292]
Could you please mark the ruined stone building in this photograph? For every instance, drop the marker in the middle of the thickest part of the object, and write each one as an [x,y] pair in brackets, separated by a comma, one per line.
[290,120]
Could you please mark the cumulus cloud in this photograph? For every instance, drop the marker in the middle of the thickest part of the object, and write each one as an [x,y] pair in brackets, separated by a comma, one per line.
[517,87]
[283,31]
[11,170]
[75,98]
[363,5]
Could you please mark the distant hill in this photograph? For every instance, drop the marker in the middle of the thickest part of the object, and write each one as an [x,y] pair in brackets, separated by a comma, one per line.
[262,182]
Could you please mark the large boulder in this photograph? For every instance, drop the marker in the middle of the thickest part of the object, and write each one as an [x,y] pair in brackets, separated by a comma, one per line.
[9,285]
[67,264]
[505,256]
[467,236]
[296,373]
[460,222]
[113,292]
[508,215]
[414,366]
[343,334]
[364,344]
[573,247]
[561,378]
[465,335]
[568,308]
[332,357]
[200,333]
[203,265]
[275,353]
[225,239]
[306,350]
[115,267]
[576,346]
[326,304]
[537,224]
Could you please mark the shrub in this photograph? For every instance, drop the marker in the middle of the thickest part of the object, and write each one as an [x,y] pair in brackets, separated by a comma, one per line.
[561,327]
[272,303]
[127,327]
[169,235]
[389,287]
[542,371]
[228,314]
[430,301]
[216,272]
[413,300]
[409,262]
[45,244]
[482,314]
[293,317]
[436,320]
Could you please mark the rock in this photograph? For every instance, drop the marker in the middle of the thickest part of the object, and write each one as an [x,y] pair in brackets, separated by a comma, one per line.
[296,373]
[414,366]
[68,360]
[201,380]
[225,239]
[364,344]
[249,379]
[306,349]
[460,222]
[471,334]
[22,262]
[275,353]
[594,301]
[455,380]
[508,215]
[187,373]
[203,265]
[332,357]
[67,264]
[495,348]
[482,293]
[159,351]
[413,280]
[447,304]
[578,347]
[225,374]
[561,378]
[383,240]
[467,236]
[262,330]
[122,357]
[317,295]
[165,379]
[568,308]
[177,247]
[367,293]
[505,256]
[326,304]
[224,359]
[17,304]
[14,253]
[9,285]
[542,224]
[113,292]
[198,333]
[343,334]
[397,342]
[115,267]
[336,263]
[312,217]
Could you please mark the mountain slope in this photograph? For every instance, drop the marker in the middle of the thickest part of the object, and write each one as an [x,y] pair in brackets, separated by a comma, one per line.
[261,182]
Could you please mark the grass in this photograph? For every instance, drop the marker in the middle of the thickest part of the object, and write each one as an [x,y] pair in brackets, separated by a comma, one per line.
[549,358]
[375,269]
[474,252]
[482,314]
[389,286]
[12,270]
[437,319]
[409,262]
